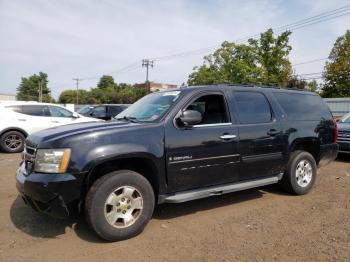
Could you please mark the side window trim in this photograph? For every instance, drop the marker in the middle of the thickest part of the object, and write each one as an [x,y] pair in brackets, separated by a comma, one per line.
[235,108]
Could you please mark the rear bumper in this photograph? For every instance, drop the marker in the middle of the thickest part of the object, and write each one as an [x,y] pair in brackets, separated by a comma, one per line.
[328,153]
[344,146]
[55,194]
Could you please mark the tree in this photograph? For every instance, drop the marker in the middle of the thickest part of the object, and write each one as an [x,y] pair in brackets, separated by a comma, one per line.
[263,61]
[28,89]
[106,81]
[312,86]
[337,69]
[70,97]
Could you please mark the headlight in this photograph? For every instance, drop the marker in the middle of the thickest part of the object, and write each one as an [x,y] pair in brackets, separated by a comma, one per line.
[52,160]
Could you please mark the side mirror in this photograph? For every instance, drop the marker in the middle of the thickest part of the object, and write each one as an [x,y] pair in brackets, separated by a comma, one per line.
[75,115]
[191,117]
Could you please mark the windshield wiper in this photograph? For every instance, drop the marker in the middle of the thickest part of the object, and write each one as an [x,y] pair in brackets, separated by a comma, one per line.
[128,118]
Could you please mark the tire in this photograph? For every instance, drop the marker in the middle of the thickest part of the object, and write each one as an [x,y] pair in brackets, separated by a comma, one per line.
[12,142]
[300,174]
[110,198]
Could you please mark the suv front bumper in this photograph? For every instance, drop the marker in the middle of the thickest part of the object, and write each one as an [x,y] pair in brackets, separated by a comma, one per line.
[54,194]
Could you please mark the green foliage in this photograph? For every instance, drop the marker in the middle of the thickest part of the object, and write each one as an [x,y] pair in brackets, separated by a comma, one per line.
[337,69]
[28,90]
[106,81]
[263,61]
[120,94]
[312,86]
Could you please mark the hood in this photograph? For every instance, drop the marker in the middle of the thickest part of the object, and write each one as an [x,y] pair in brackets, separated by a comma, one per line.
[344,127]
[60,132]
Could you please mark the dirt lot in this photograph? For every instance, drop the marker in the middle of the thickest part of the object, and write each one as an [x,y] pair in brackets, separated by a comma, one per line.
[255,225]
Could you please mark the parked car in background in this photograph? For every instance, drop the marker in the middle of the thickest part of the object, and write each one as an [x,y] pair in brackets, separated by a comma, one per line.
[344,133]
[105,112]
[18,120]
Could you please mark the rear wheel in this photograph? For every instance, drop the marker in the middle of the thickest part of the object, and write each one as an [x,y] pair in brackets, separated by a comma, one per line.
[301,173]
[119,205]
[12,142]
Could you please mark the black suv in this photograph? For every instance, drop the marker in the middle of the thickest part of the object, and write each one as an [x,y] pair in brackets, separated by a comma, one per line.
[105,112]
[176,146]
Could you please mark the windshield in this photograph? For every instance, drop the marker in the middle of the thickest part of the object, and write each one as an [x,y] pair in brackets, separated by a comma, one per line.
[346,119]
[151,107]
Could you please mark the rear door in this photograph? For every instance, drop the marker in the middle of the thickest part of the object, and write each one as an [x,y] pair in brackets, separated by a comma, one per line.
[261,140]
[35,117]
[207,153]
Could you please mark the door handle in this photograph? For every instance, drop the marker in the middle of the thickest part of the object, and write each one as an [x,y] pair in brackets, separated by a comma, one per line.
[54,122]
[21,119]
[272,132]
[227,137]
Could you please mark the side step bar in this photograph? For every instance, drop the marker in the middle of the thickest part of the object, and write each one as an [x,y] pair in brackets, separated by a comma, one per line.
[218,190]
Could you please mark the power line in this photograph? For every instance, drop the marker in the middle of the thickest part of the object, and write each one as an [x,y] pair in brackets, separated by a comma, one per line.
[325,16]
[310,61]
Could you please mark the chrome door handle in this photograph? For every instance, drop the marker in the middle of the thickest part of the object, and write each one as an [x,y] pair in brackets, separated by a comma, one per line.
[21,119]
[54,121]
[226,137]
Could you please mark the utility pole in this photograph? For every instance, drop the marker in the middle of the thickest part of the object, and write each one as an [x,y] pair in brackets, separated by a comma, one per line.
[147,63]
[40,91]
[77,83]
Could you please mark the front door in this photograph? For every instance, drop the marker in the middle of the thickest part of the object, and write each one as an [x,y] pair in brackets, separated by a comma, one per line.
[207,153]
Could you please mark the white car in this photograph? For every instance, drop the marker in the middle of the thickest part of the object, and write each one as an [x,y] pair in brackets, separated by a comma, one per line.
[18,120]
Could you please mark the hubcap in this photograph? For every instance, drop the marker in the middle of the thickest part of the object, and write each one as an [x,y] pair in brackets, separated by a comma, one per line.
[13,142]
[123,207]
[303,173]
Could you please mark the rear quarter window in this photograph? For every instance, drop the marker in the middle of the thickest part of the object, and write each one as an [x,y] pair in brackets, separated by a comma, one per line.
[303,106]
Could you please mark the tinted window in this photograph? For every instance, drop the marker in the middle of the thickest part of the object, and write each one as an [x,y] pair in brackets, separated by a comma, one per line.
[114,110]
[303,106]
[57,111]
[252,107]
[35,110]
[17,109]
[99,111]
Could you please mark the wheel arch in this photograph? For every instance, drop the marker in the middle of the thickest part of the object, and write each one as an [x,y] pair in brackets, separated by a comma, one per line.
[142,164]
[310,145]
[18,129]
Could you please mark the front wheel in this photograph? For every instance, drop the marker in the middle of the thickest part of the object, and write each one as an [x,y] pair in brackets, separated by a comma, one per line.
[301,173]
[119,205]
[12,142]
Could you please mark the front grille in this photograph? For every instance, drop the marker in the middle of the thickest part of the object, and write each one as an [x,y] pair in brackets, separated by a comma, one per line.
[29,158]
[344,136]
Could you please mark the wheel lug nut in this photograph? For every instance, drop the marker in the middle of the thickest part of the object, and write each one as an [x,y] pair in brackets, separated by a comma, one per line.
[129,201]
[123,199]
[128,207]
[124,212]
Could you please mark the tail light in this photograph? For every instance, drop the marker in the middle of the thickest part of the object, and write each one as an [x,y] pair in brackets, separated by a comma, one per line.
[335,131]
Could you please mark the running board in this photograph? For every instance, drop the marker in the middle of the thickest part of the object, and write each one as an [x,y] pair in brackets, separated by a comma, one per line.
[219,190]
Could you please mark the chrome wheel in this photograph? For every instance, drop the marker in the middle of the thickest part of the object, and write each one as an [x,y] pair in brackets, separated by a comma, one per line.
[303,173]
[13,142]
[123,207]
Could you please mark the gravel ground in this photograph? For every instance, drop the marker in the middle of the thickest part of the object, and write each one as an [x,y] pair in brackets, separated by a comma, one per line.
[262,224]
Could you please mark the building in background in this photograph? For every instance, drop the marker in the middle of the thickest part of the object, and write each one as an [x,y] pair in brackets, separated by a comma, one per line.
[338,106]
[154,87]
[7,97]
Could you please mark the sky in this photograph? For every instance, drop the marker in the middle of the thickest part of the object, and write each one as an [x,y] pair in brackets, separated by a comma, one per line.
[89,38]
